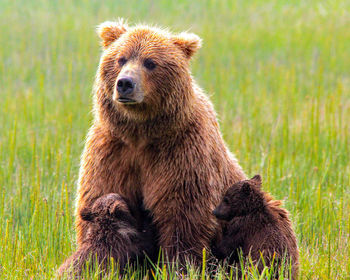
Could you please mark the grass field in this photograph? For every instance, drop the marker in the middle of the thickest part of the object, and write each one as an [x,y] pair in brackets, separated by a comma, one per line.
[278,73]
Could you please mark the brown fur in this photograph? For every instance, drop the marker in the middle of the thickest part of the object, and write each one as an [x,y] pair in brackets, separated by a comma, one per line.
[257,225]
[166,149]
[112,235]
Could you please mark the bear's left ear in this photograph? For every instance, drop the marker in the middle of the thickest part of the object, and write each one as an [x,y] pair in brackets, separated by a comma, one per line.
[189,43]
[110,31]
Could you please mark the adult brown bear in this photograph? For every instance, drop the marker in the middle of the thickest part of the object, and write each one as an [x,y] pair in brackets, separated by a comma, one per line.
[155,138]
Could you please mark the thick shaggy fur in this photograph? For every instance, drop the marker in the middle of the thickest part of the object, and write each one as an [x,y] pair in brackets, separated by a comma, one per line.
[166,151]
[257,225]
[112,235]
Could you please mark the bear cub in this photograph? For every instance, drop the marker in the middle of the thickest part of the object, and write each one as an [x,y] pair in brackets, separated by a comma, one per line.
[257,226]
[113,235]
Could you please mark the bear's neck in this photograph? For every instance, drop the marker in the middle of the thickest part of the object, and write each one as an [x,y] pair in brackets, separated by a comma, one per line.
[255,221]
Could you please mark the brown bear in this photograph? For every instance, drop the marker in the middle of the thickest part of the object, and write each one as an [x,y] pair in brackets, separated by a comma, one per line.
[257,226]
[112,235]
[155,138]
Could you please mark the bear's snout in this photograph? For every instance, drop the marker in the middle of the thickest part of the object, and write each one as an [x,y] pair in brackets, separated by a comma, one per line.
[216,212]
[220,212]
[125,86]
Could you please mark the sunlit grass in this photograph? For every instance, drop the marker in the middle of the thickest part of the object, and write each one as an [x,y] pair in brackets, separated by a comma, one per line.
[277,72]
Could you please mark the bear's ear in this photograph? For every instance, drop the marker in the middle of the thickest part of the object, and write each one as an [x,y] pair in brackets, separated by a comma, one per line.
[246,188]
[86,214]
[110,31]
[114,207]
[257,179]
[189,43]
[118,206]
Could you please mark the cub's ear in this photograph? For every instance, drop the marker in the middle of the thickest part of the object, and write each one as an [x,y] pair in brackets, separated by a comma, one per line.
[257,179]
[114,207]
[86,214]
[110,31]
[189,43]
[117,206]
[246,188]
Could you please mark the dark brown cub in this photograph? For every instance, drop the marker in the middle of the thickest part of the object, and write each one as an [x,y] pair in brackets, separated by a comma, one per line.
[113,236]
[257,226]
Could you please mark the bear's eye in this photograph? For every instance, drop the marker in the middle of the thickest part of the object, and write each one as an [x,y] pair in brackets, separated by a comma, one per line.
[149,64]
[226,200]
[122,61]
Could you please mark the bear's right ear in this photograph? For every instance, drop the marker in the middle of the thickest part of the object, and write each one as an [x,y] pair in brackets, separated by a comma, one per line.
[257,179]
[86,214]
[110,31]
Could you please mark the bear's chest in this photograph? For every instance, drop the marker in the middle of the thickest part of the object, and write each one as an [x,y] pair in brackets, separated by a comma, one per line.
[124,165]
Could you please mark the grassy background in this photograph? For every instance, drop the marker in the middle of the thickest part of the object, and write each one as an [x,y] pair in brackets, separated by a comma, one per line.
[277,72]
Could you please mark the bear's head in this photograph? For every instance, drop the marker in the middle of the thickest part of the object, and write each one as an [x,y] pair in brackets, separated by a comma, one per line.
[108,210]
[144,70]
[242,198]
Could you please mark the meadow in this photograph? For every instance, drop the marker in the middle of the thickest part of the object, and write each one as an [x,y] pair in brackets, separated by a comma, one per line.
[278,73]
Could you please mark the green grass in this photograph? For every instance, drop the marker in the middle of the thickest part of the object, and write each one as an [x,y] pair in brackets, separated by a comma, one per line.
[277,72]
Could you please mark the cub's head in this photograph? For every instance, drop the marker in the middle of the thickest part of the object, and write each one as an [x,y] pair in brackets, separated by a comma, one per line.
[110,209]
[144,70]
[241,199]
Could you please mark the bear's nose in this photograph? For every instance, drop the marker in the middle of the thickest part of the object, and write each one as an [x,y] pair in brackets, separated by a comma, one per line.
[215,212]
[125,86]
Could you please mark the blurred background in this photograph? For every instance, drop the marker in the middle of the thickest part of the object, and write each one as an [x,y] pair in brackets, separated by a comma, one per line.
[276,71]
